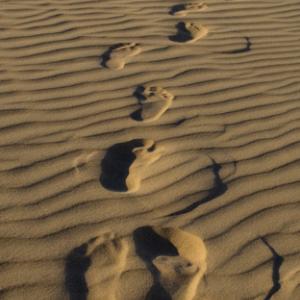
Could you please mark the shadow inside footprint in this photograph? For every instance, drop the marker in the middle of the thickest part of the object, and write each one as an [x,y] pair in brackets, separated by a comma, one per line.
[183,35]
[76,265]
[150,245]
[105,57]
[176,8]
[138,94]
[115,165]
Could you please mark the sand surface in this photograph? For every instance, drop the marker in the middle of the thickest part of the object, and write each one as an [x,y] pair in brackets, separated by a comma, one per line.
[164,168]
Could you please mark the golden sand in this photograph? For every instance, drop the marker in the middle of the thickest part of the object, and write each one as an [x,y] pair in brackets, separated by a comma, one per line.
[149,150]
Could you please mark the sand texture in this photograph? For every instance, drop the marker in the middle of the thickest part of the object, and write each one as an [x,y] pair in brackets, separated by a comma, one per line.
[149,150]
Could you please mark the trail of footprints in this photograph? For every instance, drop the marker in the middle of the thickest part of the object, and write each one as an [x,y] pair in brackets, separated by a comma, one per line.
[179,271]
[122,170]
[181,267]
[180,274]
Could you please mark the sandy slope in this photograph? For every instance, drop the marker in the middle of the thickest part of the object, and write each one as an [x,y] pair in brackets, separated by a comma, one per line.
[229,171]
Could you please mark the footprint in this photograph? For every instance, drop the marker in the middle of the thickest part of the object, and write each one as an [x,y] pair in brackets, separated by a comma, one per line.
[107,257]
[183,10]
[124,164]
[176,258]
[154,102]
[117,56]
[93,270]
[189,32]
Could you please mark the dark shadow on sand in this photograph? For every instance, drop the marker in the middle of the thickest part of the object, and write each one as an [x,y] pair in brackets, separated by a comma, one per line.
[148,246]
[76,265]
[138,94]
[182,35]
[247,47]
[176,8]
[115,165]
[277,262]
[219,188]
[105,57]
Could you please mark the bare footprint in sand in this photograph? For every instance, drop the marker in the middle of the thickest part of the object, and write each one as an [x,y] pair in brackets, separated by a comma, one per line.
[189,32]
[183,10]
[178,257]
[124,164]
[154,102]
[107,257]
[117,56]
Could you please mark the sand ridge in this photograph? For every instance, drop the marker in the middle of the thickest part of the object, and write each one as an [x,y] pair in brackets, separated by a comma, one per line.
[234,124]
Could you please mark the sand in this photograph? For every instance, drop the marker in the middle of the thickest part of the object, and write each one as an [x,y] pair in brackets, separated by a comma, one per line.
[149,150]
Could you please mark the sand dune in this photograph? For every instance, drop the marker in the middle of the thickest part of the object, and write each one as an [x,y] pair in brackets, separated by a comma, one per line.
[223,175]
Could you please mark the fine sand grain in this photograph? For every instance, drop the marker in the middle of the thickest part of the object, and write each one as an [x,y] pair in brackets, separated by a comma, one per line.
[149,150]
